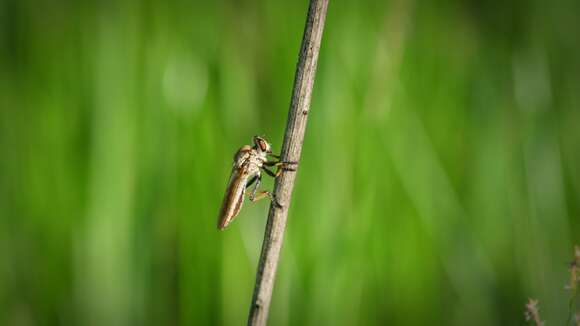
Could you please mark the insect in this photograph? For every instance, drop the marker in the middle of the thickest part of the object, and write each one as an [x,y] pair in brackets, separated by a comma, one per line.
[249,162]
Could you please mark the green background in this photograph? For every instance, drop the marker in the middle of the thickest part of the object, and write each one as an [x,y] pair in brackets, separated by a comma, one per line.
[439,181]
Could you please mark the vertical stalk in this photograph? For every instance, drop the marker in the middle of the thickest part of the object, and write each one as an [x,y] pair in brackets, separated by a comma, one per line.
[291,149]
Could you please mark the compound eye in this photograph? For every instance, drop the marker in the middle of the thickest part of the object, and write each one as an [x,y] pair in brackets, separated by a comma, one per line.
[263,145]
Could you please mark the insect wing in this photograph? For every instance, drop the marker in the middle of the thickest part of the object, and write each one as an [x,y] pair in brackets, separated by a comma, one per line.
[234,196]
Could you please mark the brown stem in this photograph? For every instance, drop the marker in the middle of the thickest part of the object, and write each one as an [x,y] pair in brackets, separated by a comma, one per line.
[291,149]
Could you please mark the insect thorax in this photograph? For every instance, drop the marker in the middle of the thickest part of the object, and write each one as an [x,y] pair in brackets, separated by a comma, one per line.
[256,160]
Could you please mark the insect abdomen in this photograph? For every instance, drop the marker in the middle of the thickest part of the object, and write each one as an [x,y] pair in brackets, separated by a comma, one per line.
[233,199]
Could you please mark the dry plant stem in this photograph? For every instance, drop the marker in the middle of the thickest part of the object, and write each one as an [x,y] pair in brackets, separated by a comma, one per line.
[533,312]
[573,286]
[291,149]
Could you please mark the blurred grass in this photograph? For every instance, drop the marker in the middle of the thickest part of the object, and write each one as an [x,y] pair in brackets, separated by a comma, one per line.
[439,180]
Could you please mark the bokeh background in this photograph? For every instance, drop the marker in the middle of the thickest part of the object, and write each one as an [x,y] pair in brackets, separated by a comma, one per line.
[439,181]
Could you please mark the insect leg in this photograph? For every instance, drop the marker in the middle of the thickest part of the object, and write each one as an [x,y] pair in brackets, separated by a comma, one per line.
[281,166]
[251,181]
[264,194]
[258,180]
[284,166]
[272,163]
[280,170]
[280,163]
[270,173]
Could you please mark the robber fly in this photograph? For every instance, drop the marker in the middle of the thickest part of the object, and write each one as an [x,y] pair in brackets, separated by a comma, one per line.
[247,170]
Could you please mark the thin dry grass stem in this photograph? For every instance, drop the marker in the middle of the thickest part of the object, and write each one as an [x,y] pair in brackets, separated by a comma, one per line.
[574,266]
[291,150]
[533,312]
[573,286]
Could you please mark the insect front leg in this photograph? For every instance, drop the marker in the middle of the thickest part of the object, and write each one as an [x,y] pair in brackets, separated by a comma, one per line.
[281,165]
[279,161]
